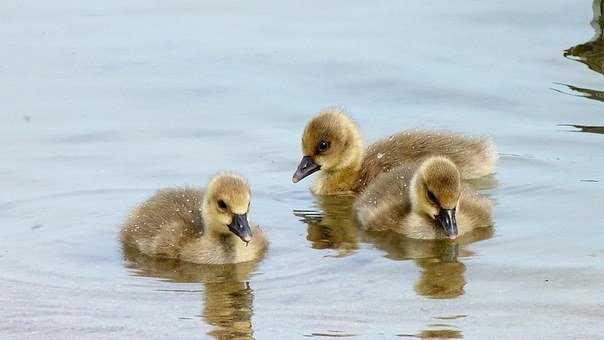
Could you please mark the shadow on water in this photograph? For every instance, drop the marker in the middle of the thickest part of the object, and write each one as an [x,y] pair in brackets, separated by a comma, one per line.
[333,226]
[590,53]
[227,296]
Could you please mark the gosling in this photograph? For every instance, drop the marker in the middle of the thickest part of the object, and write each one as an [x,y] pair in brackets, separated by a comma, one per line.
[193,225]
[428,201]
[332,145]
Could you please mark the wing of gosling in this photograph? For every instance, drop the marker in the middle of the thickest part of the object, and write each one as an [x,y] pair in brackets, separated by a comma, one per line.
[475,156]
[163,223]
[476,210]
[385,202]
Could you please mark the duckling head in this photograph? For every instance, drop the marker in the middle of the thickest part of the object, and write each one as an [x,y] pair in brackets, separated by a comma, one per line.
[226,205]
[331,141]
[435,192]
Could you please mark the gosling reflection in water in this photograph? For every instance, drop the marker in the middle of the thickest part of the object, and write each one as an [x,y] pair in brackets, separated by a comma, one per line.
[227,296]
[332,225]
[441,271]
[439,279]
[228,307]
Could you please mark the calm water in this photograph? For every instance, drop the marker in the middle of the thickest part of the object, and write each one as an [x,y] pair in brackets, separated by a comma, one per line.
[102,104]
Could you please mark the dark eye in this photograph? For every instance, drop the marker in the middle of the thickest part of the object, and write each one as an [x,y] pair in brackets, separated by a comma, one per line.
[222,205]
[432,197]
[323,145]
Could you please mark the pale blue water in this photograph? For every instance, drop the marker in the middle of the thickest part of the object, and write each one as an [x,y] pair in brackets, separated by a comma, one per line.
[101,104]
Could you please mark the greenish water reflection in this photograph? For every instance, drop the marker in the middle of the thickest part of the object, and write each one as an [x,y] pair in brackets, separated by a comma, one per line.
[590,53]
[435,334]
[587,128]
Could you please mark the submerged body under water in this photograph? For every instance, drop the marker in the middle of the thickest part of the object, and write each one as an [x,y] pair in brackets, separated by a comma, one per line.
[104,104]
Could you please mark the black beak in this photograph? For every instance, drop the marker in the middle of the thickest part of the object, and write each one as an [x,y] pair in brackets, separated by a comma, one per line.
[307,166]
[446,219]
[240,227]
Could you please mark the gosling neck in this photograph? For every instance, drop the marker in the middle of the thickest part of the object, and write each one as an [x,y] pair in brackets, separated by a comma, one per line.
[205,214]
[414,190]
[211,227]
[218,234]
[342,180]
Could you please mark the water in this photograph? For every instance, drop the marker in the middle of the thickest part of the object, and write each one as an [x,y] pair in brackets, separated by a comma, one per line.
[103,103]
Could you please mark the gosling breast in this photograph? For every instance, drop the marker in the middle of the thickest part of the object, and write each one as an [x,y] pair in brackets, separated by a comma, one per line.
[170,225]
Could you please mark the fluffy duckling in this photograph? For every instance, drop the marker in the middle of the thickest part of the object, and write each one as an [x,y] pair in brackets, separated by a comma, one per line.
[197,226]
[428,201]
[331,143]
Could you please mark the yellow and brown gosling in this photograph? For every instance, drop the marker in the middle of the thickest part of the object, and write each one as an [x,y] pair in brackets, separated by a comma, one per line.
[195,225]
[425,201]
[332,146]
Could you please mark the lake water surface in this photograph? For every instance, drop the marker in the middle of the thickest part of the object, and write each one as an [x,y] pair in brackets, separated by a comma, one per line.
[101,104]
